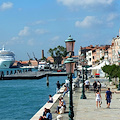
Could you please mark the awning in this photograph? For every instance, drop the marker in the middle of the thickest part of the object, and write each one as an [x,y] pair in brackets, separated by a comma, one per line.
[97,73]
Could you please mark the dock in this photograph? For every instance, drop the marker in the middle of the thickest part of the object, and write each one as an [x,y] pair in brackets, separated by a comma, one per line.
[32,75]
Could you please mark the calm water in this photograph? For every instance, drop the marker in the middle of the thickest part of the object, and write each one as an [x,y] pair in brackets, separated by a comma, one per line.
[21,99]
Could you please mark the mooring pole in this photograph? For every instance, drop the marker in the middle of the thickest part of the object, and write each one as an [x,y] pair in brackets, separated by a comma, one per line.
[47,80]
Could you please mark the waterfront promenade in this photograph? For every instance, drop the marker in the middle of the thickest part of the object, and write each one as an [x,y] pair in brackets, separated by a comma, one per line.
[85,109]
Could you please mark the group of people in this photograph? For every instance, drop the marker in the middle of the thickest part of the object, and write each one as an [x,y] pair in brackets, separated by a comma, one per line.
[65,90]
[46,115]
[108,97]
[62,106]
[108,94]
[97,86]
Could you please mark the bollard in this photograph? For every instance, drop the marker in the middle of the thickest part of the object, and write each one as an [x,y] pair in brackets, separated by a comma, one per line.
[47,80]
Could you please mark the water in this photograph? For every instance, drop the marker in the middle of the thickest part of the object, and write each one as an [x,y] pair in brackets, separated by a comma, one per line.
[21,99]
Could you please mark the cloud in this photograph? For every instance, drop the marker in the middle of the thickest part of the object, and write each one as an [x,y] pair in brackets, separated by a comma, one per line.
[6,6]
[24,32]
[112,16]
[38,22]
[84,3]
[30,42]
[55,38]
[88,22]
[40,31]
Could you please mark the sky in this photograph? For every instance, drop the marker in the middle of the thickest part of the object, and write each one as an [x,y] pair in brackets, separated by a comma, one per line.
[30,26]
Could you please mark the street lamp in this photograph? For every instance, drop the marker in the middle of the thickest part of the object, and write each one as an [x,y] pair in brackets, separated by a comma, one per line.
[70,64]
[83,96]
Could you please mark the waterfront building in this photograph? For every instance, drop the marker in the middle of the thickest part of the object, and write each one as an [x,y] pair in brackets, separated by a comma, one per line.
[115,49]
[94,55]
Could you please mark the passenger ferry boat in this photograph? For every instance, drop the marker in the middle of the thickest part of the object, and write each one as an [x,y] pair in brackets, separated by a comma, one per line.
[7,58]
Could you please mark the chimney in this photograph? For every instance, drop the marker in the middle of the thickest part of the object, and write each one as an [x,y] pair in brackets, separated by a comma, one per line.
[42,53]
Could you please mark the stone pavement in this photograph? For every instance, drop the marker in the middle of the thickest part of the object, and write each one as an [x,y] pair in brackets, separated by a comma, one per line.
[85,109]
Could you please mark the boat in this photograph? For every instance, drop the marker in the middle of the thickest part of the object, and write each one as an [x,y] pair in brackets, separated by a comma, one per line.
[7,58]
[42,66]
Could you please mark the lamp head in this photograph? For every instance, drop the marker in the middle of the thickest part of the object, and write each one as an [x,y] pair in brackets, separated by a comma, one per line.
[70,44]
[70,65]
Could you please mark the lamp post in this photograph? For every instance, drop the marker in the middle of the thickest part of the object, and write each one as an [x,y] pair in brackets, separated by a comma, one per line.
[70,70]
[83,96]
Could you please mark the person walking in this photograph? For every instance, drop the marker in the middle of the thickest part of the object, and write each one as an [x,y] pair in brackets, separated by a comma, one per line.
[98,98]
[87,84]
[99,86]
[108,97]
[95,86]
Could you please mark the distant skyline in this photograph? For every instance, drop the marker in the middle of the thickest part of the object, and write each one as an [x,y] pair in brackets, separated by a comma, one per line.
[28,26]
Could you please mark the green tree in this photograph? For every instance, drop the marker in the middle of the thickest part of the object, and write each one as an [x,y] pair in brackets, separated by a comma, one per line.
[57,54]
[113,71]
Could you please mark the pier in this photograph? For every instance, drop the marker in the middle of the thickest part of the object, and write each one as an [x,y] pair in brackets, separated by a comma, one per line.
[28,74]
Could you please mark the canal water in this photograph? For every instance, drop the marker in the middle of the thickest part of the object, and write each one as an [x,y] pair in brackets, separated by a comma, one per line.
[21,99]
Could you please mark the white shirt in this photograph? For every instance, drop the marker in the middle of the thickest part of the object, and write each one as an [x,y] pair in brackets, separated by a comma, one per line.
[87,82]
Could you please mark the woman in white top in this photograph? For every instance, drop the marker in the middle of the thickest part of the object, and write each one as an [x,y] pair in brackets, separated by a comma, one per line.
[98,98]
[50,99]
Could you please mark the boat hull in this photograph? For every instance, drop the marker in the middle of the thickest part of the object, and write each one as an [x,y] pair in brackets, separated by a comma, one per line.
[6,64]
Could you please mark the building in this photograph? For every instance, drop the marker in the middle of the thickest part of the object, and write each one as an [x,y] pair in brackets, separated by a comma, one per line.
[94,54]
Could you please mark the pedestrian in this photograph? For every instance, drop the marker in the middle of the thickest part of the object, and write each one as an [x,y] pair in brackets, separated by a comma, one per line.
[50,99]
[99,86]
[65,90]
[95,86]
[108,97]
[98,98]
[58,86]
[87,83]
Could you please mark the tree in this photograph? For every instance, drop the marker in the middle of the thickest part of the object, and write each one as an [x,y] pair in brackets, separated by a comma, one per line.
[57,54]
[113,71]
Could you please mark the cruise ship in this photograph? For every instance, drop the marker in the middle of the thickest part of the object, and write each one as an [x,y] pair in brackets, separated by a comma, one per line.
[7,58]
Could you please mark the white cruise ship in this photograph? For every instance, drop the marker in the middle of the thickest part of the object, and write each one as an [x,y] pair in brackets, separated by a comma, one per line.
[7,58]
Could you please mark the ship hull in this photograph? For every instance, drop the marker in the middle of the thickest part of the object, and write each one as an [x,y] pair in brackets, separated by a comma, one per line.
[6,64]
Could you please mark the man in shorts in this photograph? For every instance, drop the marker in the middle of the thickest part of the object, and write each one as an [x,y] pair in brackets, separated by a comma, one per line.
[87,83]
[108,97]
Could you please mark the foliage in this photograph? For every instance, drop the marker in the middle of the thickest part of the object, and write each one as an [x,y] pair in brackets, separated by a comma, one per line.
[57,53]
[112,70]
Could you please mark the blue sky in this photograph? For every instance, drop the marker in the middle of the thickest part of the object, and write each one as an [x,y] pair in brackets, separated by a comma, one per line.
[28,26]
